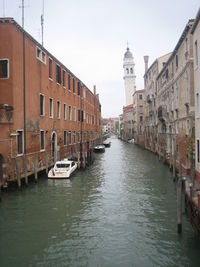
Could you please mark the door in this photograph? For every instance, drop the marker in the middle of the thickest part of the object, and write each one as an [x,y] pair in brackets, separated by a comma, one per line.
[54,147]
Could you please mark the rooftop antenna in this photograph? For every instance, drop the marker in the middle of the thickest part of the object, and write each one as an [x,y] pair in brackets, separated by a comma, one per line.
[22,7]
[3,8]
[42,22]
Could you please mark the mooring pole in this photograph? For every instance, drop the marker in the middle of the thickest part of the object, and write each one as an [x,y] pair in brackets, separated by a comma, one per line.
[179,200]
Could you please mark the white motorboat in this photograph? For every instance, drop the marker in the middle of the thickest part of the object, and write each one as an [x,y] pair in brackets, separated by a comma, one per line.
[99,148]
[62,169]
[107,143]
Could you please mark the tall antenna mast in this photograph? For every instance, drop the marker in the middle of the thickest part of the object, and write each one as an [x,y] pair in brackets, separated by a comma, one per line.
[22,7]
[42,22]
[3,8]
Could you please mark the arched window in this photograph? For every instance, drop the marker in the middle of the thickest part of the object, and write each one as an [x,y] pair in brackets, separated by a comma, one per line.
[127,71]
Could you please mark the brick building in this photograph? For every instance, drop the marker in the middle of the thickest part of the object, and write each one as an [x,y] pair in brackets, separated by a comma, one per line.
[138,117]
[46,112]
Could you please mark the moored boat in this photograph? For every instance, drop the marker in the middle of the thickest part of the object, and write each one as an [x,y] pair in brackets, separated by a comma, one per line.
[62,169]
[99,148]
[107,143]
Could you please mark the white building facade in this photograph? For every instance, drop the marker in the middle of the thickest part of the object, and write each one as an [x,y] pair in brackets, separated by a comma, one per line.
[196,52]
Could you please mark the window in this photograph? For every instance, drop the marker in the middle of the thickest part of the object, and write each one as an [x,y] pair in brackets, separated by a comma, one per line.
[74,137]
[186,45]
[127,71]
[74,86]
[64,84]
[176,61]
[4,68]
[20,144]
[196,52]
[65,112]
[131,70]
[140,97]
[69,81]
[58,74]
[197,150]
[42,140]
[141,118]
[58,109]
[50,107]
[50,68]
[79,89]
[74,113]
[140,109]
[65,138]
[70,113]
[41,105]
[41,55]
[79,115]
[78,137]
[70,138]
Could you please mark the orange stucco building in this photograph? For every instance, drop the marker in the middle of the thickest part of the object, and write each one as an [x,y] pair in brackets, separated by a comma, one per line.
[46,112]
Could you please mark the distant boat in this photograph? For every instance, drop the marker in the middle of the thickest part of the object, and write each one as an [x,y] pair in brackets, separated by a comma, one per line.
[107,143]
[131,141]
[62,169]
[99,149]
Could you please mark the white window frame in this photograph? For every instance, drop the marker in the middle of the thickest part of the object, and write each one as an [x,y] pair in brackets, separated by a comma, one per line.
[57,65]
[65,138]
[74,113]
[51,108]
[65,111]
[41,55]
[8,68]
[51,78]
[70,112]
[43,106]
[58,109]
[17,134]
[42,148]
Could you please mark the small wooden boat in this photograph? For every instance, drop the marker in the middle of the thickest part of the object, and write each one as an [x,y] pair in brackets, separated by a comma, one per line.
[62,169]
[99,148]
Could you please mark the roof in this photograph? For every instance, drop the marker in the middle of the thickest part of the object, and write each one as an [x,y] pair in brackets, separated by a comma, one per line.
[128,53]
[186,30]
[196,21]
[12,21]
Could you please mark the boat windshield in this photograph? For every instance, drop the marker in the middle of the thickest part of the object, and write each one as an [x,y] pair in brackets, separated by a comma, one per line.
[62,165]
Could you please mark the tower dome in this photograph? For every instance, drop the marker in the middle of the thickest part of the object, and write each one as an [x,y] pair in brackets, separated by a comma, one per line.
[128,53]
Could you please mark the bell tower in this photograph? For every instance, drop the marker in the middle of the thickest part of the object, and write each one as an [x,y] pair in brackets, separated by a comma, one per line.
[129,76]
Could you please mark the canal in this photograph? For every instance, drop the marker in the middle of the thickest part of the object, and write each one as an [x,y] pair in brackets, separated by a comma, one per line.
[121,211]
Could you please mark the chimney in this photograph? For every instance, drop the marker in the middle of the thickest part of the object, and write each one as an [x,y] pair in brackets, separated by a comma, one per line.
[94,89]
[146,60]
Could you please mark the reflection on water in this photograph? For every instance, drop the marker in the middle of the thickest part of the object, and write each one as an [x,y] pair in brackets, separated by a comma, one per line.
[119,212]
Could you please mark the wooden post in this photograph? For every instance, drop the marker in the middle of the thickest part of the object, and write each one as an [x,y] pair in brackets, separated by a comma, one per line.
[18,173]
[25,170]
[190,191]
[199,199]
[179,199]
[47,162]
[36,168]
[179,205]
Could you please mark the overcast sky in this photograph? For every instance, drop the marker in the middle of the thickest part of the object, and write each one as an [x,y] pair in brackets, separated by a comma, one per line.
[90,37]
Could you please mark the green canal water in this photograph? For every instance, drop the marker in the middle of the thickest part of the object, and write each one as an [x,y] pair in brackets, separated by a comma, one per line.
[121,211]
